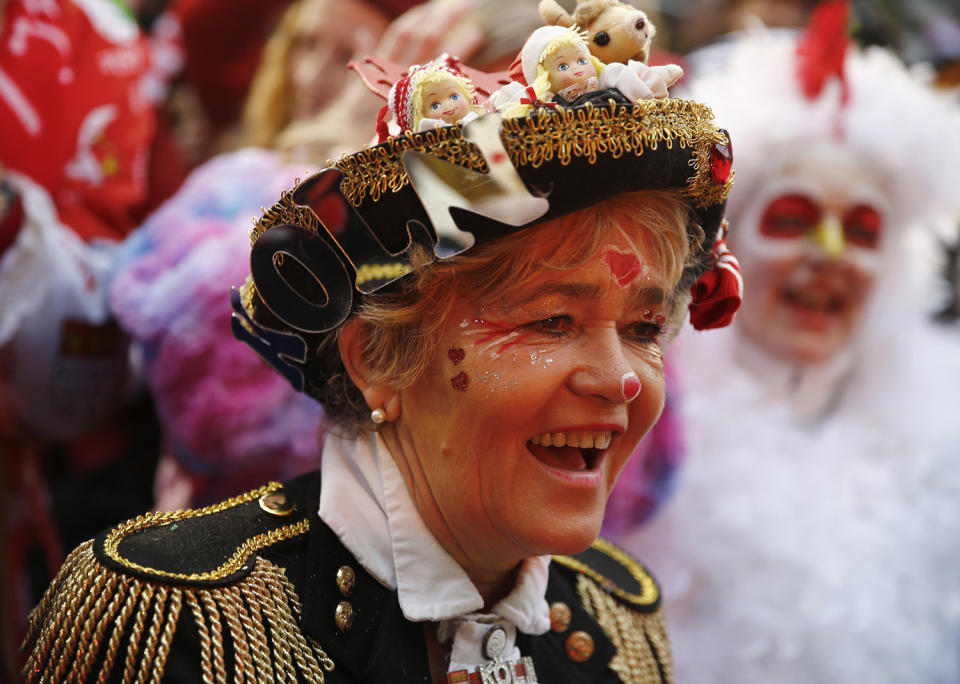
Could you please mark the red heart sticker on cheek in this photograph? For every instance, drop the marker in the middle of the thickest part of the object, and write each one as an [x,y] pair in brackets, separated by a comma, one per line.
[625,266]
[460,381]
[456,354]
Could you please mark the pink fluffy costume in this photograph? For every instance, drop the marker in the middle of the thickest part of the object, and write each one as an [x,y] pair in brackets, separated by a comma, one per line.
[231,422]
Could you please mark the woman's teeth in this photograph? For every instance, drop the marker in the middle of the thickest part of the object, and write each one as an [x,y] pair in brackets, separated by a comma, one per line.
[583,440]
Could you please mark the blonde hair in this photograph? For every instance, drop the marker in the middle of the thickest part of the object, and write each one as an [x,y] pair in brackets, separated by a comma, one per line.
[267,109]
[438,75]
[400,330]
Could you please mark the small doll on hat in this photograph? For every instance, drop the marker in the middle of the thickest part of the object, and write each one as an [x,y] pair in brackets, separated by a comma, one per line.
[557,67]
[430,96]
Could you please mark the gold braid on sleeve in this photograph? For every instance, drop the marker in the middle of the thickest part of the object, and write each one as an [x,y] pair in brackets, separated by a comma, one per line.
[93,616]
[643,650]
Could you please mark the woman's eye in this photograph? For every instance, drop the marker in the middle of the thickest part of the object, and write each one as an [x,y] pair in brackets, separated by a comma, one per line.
[582,61]
[435,106]
[563,67]
[454,97]
[643,331]
[555,325]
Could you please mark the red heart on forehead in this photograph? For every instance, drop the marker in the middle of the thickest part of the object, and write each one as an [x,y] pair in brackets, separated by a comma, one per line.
[456,354]
[625,266]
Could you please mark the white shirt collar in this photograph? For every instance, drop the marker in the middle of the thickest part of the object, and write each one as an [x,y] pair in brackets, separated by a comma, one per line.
[364,499]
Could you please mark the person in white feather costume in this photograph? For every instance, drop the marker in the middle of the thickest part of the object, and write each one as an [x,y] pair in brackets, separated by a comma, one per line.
[815,534]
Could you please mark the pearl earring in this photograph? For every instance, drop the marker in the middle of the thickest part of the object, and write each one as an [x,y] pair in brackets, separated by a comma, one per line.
[378,415]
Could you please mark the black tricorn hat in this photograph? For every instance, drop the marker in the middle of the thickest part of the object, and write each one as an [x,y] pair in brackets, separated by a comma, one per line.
[347,230]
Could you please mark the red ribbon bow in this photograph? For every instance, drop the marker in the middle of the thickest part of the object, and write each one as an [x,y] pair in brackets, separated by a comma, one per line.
[532,99]
[719,292]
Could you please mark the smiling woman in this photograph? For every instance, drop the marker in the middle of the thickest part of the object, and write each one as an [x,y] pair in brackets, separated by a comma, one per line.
[480,309]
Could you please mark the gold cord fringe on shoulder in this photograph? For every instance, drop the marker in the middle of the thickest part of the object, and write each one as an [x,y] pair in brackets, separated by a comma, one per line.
[640,638]
[92,616]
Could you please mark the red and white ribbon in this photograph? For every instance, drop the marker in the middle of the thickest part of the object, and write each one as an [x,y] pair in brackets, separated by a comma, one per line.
[719,292]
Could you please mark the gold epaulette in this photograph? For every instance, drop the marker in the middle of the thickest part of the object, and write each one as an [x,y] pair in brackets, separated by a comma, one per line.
[624,599]
[117,600]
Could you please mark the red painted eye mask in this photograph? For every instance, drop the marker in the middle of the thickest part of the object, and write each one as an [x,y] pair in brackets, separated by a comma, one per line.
[793,216]
[861,226]
[789,216]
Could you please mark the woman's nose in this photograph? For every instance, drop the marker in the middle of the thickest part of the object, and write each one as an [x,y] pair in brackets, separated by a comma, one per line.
[604,371]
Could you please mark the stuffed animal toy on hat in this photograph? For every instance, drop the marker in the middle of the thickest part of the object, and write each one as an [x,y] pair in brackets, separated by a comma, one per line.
[616,31]
[556,67]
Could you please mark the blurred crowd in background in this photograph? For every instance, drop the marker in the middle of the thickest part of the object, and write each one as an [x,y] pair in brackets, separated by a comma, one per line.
[139,141]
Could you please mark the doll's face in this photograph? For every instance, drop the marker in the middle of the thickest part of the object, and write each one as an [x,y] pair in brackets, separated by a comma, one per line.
[569,65]
[445,100]
[809,246]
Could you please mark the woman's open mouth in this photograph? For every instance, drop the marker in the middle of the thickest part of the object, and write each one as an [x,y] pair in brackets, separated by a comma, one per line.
[577,451]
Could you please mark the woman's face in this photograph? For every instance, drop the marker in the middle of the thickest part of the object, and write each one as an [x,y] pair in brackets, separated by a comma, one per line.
[530,407]
[809,246]
[329,33]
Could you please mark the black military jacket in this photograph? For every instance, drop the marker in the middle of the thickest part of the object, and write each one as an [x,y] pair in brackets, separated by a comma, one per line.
[259,589]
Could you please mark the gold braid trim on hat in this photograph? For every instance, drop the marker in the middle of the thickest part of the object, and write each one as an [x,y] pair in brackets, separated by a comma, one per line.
[92,615]
[562,134]
[643,649]
[285,210]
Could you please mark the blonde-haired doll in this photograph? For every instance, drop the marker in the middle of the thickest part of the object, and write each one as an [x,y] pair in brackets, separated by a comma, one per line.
[429,96]
[556,63]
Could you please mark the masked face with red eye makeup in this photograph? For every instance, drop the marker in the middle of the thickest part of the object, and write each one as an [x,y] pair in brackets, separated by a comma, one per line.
[809,245]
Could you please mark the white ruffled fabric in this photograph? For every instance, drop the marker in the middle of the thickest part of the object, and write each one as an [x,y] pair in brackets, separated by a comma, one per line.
[364,499]
[637,81]
[50,277]
[799,551]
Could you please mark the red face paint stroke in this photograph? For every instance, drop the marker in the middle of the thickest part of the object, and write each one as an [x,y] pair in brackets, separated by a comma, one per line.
[501,331]
[460,381]
[631,386]
[456,354]
[625,266]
